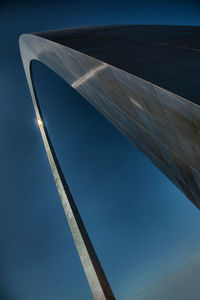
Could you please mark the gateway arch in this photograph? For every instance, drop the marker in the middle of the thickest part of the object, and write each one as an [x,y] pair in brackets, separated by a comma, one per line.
[145,80]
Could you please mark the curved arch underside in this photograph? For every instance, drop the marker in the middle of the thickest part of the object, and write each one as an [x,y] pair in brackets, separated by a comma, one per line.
[163,125]
[144,80]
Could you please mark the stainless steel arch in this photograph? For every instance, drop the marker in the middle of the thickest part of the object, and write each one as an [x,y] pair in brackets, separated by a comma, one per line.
[144,80]
[98,282]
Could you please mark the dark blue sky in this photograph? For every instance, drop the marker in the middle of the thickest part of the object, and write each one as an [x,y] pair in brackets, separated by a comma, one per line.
[145,231]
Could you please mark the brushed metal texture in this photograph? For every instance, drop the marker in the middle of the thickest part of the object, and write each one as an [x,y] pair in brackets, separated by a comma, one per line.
[145,81]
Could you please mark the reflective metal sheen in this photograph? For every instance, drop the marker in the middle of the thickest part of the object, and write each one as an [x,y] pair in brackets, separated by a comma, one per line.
[145,80]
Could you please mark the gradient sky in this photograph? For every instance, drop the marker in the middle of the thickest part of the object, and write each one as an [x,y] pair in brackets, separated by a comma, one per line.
[145,231]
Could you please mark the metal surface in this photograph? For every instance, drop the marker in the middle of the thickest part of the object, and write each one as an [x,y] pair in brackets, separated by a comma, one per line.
[144,80]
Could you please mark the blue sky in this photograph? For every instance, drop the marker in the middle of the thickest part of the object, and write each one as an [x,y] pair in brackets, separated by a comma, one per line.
[145,231]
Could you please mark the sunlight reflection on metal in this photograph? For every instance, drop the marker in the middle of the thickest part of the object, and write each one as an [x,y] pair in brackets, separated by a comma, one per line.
[138,105]
[40,123]
[88,75]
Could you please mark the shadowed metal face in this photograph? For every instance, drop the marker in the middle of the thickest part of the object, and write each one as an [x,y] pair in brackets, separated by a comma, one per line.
[144,80]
